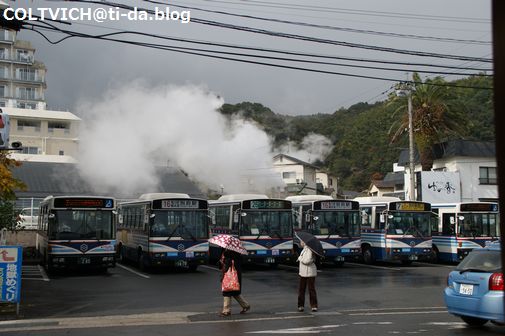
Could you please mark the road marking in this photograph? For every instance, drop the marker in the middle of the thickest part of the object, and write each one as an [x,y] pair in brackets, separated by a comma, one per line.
[211,268]
[399,313]
[392,308]
[375,266]
[43,273]
[133,271]
[302,330]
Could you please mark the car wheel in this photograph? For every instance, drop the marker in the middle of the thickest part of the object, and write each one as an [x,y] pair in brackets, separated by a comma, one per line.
[474,321]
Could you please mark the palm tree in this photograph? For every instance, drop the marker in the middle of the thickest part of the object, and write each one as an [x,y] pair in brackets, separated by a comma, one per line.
[432,118]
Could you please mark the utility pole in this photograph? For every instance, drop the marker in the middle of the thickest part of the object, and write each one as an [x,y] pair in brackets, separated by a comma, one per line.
[406,90]
[412,194]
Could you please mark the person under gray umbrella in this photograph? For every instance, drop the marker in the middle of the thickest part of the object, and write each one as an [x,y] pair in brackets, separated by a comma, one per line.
[307,268]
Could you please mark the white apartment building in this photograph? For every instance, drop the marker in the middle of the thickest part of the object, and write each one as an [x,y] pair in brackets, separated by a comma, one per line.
[45,135]
[22,79]
[299,176]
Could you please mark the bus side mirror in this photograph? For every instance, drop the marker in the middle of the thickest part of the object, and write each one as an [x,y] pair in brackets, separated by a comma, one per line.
[307,218]
[452,220]
[51,216]
[461,218]
[382,219]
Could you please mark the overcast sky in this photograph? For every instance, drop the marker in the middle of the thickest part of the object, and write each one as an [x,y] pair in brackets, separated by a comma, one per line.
[83,69]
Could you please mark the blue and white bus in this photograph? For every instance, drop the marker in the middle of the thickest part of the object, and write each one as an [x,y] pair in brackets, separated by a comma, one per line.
[76,231]
[336,223]
[264,225]
[395,230]
[164,229]
[463,227]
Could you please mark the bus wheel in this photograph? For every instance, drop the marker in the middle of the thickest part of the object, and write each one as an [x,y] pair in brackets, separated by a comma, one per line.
[367,255]
[47,264]
[435,255]
[143,263]
[119,254]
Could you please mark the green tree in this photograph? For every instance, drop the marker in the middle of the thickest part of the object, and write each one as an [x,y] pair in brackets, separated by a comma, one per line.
[433,119]
[8,186]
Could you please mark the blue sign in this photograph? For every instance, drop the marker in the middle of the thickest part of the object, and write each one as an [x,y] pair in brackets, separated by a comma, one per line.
[10,273]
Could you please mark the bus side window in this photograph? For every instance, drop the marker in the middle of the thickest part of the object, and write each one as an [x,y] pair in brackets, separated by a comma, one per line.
[448,223]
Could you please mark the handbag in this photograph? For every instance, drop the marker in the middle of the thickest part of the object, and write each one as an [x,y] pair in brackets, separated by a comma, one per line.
[230,280]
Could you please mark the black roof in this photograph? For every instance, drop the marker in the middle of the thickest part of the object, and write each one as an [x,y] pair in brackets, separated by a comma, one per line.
[47,178]
[454,148]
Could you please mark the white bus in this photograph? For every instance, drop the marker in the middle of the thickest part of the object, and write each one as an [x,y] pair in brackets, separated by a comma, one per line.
[76,231]
[164,229]
[336,223]
[395,230]
[463,227]
[264,225]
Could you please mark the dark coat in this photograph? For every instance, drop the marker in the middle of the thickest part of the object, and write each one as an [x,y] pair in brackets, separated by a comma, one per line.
[225,263]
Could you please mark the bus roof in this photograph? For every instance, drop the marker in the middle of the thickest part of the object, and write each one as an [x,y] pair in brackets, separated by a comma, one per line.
[241,197]
[376,199]
[76,196]
[153,196]
[308,198]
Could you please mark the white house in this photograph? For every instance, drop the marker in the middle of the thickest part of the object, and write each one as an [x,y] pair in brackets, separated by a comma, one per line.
[468,172]
[299,176]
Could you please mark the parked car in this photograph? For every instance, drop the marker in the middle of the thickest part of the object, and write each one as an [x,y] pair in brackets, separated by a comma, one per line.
[28,218]
[474,289]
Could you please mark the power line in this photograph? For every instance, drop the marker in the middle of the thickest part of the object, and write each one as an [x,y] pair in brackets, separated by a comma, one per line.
[345,29]
[175,49]
[302,37]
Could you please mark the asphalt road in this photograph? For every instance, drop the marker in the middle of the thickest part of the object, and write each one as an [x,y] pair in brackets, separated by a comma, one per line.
[354,299]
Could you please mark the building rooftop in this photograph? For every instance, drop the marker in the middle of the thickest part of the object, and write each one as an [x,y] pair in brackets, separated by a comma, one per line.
[39,114]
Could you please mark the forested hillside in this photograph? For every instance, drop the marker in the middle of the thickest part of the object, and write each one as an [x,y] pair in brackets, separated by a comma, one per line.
[361,133]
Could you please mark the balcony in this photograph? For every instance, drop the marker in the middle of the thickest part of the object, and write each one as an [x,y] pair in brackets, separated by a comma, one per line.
[28,77]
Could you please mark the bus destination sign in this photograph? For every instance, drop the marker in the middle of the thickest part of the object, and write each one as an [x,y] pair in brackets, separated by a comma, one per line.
[267,204]
[490,207]
[179,204]
[411,206]
[78,202]
[336,205]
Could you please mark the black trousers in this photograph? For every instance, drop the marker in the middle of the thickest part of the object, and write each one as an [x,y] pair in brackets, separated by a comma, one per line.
[311,282]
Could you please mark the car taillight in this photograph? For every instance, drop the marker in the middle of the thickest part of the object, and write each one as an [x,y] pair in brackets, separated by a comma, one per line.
[496,281]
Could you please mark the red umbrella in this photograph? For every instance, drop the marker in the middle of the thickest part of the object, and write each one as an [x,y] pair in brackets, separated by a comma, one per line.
[228,242]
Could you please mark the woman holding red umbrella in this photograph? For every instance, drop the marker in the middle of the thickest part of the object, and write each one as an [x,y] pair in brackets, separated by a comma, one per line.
[231,258]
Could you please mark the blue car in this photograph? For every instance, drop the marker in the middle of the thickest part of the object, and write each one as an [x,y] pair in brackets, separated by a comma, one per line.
[474,289]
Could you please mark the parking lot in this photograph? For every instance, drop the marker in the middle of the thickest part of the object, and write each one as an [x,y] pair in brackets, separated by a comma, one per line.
[380,299]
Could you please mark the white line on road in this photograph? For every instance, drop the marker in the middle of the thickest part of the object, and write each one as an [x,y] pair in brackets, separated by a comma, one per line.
[302,330]
[210,267]
[390,309]
[399,313]
[134,272]
[375,266]
[43,273]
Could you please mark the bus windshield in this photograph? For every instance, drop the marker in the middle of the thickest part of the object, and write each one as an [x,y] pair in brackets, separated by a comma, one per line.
[276,224]
[342,223]
[81,224]
[479,225]
[188,224]
[416,224]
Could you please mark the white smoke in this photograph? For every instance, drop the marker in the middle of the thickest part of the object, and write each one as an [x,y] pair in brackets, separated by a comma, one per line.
[134,129]
[312,148]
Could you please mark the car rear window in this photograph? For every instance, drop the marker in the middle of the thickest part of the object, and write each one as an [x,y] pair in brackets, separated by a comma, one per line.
[486,261]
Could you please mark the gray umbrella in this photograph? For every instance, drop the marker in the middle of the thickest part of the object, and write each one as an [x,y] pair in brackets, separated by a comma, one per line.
[311,241]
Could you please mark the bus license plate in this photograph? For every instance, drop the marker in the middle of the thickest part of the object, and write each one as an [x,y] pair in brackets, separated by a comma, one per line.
[412,257]
[270,260]
[84,261]
[466,289]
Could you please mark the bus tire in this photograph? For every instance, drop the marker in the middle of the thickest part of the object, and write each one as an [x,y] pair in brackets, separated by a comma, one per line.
[367,255]
[119,254]
[435,255]
[47,264]
[143,263]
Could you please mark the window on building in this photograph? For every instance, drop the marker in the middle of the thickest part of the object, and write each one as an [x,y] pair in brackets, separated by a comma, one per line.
[3,91]
[26,93]
[26,74]
[3,72]
[22,123]
[61,152]
[30,150]
[23,55]
[58,125]
[288,175]
[487,175]
[3,53]
[25,105]
[3,103]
